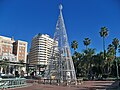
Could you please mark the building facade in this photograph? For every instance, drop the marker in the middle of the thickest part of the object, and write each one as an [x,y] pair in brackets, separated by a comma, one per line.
[20,50]
[40,49]
[13,51]
[6,45]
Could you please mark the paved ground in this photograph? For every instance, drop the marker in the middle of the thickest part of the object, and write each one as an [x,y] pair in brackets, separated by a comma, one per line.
[86,85]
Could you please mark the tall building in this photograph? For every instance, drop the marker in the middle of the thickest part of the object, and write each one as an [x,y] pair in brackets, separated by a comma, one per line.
[6,45]
[13,51]
[6,48]
[40,49]
[20,50]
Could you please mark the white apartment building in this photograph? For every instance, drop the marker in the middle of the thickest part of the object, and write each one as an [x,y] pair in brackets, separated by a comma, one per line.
[40,49]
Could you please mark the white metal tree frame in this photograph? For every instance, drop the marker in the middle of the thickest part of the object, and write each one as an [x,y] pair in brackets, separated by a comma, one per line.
[60,64]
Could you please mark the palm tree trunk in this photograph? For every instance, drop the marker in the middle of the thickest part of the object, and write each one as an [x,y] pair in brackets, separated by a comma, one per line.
[104,54]
[104,47]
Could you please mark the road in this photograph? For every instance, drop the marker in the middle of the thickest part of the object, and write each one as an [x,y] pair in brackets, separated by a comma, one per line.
[86,85]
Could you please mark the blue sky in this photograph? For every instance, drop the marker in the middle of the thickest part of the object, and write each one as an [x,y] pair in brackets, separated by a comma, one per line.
[23,19]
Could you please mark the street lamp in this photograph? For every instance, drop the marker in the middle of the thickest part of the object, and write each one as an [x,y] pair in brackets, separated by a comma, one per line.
[117,68]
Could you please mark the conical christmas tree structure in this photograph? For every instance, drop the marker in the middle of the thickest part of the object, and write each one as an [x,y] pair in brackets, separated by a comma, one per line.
[60,63]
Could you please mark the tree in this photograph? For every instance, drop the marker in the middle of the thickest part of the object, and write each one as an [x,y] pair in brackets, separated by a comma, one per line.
[98,63]
[110,53]
[87,42]
[115,42]
[98,59]
[77,61]
[74,45]
[87,58]
[110,58]
[103,34]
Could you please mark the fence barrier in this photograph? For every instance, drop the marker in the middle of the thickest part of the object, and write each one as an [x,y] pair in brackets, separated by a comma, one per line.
[12,82]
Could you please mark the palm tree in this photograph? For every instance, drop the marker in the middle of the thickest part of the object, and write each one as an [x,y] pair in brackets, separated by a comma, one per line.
[103,34]
[87,56]
[98,63]
[110,53]
[76,59]
[77,55]
[111,49]
[88,59]
[87,42]
[115,42]
[110,57]
[74,45]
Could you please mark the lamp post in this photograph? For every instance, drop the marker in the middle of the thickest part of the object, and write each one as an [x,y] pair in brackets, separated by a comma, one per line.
[117,68]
